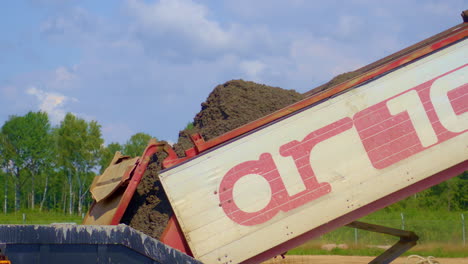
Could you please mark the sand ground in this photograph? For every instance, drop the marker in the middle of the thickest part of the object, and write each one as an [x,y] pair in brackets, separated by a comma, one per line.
[290,259]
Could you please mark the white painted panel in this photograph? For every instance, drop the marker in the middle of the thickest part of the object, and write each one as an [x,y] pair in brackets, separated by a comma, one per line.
[359,163]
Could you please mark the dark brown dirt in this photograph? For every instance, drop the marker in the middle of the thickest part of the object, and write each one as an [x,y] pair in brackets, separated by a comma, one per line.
[335,81]
[149,210]
[233,104]
[228,106]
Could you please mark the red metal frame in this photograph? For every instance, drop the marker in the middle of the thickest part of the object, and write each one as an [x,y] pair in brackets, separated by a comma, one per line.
[174,237]
[134,181]
[151,149]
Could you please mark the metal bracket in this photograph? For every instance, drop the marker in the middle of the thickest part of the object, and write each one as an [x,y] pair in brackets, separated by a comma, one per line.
[407,240]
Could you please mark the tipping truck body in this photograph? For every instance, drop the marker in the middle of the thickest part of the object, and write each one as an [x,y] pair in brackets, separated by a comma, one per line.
[396,129]
[370,142]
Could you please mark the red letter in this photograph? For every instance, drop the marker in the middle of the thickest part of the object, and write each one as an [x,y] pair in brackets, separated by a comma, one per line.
[300,152]
[264,167]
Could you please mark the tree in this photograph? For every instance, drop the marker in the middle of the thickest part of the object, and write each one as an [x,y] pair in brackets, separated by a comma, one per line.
[26,148]
[79,144]
[4,174]
[13,154]
[107,154]
[136,144]
[39,147]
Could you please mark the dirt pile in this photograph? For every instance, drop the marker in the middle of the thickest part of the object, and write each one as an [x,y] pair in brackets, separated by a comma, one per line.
[229,105]
[149,210]
[341,78]
[233,104]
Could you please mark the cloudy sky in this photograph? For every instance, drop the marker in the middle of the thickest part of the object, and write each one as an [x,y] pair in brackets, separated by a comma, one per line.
[145,66]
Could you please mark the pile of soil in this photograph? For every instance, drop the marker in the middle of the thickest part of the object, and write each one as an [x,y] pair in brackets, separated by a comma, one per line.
[149,210]
[341,78]
[229,105]
[233,104]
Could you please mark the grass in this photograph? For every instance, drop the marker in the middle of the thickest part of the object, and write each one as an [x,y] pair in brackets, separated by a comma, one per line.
[35,217]
[438,250]
[440,232]
[436,227]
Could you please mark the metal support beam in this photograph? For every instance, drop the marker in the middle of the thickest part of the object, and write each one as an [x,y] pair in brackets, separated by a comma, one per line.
[407,240]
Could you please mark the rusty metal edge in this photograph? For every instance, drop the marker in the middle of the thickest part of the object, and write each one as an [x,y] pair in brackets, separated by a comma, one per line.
[134,181]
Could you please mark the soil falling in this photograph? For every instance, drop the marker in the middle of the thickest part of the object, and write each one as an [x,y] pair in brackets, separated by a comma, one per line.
[229,105]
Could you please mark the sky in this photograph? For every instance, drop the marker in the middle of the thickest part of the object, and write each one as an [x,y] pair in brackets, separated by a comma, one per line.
[146,66]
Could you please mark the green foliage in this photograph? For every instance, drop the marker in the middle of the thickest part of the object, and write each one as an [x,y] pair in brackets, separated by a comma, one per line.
[451,195]
[79,143]
[136,144]
[107,154]
[53,167]
[79,147]
[27,150]
[189,126]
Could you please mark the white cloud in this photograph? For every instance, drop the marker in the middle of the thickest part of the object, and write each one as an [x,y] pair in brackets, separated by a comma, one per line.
[183,30]
[182,16]
[62,78]
[51,103]
[348,25]
[78,20]
[252,68]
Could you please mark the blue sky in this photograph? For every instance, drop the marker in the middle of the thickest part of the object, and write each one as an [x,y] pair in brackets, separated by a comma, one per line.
[146,66]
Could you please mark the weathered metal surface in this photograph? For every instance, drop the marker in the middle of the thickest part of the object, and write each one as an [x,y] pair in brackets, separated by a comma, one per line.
[113,177]
[76,244]
[328,162]
[110,209]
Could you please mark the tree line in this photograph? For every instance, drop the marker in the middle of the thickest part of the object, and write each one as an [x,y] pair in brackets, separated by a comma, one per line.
[49,167]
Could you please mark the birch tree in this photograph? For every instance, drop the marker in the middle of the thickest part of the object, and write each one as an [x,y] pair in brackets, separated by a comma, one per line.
[79,144]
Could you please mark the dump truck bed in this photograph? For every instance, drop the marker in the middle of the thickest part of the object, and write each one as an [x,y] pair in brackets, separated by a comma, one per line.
[319,164]
[77,244]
